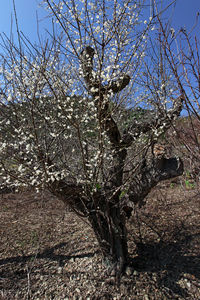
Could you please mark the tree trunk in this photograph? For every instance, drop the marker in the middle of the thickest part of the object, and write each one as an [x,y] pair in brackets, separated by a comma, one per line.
[106,218]
[110,230]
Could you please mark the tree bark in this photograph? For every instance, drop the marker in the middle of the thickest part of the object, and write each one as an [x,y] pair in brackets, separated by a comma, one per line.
[110,231]
[106,218]
[148,176]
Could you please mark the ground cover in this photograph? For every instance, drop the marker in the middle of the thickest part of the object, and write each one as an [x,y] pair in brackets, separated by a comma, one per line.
[47,252]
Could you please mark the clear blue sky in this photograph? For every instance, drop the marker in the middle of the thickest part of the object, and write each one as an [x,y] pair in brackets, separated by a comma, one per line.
[26,13]
[184,15]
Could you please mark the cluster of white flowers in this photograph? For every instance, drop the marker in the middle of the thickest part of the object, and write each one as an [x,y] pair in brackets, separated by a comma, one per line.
[50,125]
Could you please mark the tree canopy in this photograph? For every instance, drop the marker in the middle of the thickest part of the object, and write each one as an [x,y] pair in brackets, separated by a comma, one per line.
[68,121]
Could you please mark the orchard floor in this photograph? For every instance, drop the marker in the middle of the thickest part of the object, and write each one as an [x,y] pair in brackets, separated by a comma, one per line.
[46,252]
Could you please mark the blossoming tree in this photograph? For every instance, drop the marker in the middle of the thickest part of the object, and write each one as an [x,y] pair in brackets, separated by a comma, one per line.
[67,122]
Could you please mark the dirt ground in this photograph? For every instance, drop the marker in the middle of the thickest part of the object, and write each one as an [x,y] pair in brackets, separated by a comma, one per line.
[46,252]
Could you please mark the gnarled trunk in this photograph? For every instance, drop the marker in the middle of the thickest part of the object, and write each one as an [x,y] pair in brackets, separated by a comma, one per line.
[104,207]
[110,231]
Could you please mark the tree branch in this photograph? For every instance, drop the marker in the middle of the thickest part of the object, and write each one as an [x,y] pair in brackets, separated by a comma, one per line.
[157,122]
[148,177]
[87,56]
[118,85]
[101,96]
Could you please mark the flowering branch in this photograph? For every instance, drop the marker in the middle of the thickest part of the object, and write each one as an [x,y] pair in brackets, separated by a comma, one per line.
[157,122]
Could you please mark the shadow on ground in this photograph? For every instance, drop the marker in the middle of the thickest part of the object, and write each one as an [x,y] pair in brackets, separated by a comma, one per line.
[170,261]
[167,260]
[48,253]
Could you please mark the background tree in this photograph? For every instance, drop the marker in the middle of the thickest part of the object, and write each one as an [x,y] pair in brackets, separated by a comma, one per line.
[67,121]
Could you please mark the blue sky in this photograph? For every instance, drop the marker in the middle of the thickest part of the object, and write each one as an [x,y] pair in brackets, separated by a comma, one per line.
[184,15]
[27,11]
